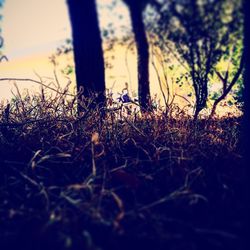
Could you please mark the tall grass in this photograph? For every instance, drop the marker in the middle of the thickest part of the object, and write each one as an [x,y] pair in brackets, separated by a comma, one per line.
[116,179]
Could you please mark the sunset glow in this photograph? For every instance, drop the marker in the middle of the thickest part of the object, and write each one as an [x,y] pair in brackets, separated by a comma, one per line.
[32,32]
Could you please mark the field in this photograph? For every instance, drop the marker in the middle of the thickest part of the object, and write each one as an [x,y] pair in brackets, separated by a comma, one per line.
[92,181]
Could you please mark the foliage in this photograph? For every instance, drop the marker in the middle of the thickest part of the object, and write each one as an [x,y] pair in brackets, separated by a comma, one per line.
[201,32]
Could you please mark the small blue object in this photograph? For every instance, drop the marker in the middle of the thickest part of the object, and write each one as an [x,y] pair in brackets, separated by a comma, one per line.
[126,98]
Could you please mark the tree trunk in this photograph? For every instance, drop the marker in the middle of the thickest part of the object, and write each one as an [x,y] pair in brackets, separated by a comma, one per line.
[247,71]
[227,88]
[142,46]
[88,53]
[246,119]
[216,102]
[201,94]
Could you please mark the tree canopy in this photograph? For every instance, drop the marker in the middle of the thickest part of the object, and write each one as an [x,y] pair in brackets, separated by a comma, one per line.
[202,32]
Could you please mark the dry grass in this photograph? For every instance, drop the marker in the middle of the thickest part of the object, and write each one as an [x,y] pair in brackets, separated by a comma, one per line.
[157,181]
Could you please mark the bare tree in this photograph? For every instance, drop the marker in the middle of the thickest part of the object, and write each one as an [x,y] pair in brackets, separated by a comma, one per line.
[226,84]
[200,32]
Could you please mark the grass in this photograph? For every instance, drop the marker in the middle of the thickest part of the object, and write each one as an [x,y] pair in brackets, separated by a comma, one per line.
[70,181]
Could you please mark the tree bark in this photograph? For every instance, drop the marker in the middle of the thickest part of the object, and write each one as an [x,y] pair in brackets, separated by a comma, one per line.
[245,138]
[201,93]
[136,11]
[87,43]
[246,94]
[227,88]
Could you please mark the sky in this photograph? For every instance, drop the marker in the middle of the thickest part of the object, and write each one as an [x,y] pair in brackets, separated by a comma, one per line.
[34,29]
[33,26]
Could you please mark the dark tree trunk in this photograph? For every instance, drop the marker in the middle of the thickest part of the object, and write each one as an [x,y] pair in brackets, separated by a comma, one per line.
[87,43]
[227,87]
[246,118]
[201,94]
[136,10]
[247,76]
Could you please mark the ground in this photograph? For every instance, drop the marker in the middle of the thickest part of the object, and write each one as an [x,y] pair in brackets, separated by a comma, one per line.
[90,181]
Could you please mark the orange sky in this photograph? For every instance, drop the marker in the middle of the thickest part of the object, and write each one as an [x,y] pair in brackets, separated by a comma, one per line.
[32,26]
[34,29]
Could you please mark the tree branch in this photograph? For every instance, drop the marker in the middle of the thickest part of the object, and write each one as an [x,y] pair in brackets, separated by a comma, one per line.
[34,81]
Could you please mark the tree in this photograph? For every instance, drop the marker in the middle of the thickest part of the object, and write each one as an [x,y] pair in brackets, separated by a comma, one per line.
[234,61]
[136,8]
[247,71]
[245,138]
[227,84]
[200,31]
[87,44]
[246,94]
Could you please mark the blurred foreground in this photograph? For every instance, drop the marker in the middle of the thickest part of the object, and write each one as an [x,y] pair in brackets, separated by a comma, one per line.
[152,181]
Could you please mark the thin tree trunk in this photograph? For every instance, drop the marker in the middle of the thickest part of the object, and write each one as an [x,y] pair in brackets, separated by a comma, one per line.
[201,93]
[227,88]
[216,102]
[87,43]
[142,53]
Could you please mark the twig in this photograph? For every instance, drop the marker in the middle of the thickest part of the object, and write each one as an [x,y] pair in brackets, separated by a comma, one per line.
[34,81]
